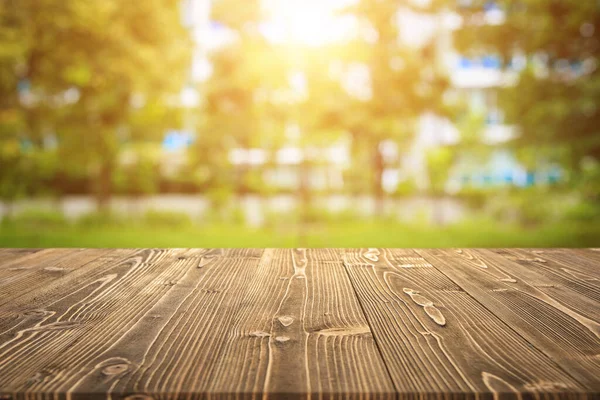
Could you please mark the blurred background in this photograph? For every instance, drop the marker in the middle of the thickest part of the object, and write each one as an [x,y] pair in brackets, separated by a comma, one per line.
[261,123]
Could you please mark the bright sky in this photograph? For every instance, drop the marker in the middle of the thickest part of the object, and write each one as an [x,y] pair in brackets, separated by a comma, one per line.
[307,22]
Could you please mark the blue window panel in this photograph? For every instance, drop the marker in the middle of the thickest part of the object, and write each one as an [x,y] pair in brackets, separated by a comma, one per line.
[177,140]
[491,6]
[492,62]
[465,63]
[26,145]
[216,25]
[23,86]
[530,179]
[554,175]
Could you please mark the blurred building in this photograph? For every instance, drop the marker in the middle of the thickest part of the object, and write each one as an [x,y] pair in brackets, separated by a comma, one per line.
[475,81]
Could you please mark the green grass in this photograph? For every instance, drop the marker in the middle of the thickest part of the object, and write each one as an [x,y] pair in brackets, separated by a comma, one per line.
[332,234]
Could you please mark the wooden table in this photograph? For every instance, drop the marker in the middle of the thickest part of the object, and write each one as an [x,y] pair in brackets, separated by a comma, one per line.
[282,323]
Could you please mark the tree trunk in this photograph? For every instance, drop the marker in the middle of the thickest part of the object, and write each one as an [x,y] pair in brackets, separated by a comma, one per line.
[438,210]
[377,168]
[241,174]
[305,201]
[104,187]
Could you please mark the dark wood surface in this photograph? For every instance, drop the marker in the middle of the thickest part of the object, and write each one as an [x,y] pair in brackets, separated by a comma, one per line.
[299,323]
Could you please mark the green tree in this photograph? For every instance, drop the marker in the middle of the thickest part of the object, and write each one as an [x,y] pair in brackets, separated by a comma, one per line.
[82,65]
[554,100]
[240,109]
[405,81]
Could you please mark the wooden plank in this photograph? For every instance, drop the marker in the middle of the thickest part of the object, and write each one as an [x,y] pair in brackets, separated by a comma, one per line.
[592,253]
[437,341]
[566,336]
[48,357]
[162,339]
[573,259]
[570,286]
[287,323]
[251,339]
[7,254]
[23,265]
[30,307]
[301,331]
[37,256]
[249,323]
[179,356]
[28,276]
[591,257]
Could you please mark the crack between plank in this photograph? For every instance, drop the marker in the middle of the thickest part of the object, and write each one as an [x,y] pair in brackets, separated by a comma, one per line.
[377,345]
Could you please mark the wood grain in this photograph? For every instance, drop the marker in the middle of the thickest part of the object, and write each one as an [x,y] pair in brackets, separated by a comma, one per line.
[571,286]
[16,268]
[583,261]
[298,323]
[243,326]
[22,276]
[50,356]
[592,253]
[437,340]
[302,329]
[7,255]
[30,307]
[543,316]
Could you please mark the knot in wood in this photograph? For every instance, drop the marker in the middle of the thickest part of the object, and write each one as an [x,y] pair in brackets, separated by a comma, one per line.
[545,386]
[286,320]
[36,313]
[139,397]
[260,334]
[115,369]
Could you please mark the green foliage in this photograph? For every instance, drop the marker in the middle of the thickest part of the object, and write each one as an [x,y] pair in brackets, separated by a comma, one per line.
[84,85]
[475,198]
[226,214]
[533,206]
[24,173]
[589,184]
[439,162]
[407,187]
[401,91]
[94,72]
[102,219]
[166,219]
[554,101]
[37,219]
[322,215]
[139,178]
[219,197]
[253,182]
[14,171]
[583,212]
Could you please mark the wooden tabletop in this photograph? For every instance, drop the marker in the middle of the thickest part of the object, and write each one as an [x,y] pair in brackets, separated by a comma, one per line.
[283,323]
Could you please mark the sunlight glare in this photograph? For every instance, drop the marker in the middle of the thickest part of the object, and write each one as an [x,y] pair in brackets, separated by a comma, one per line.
[307,22]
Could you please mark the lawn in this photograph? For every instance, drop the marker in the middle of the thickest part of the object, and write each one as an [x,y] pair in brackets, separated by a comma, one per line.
[333,234]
